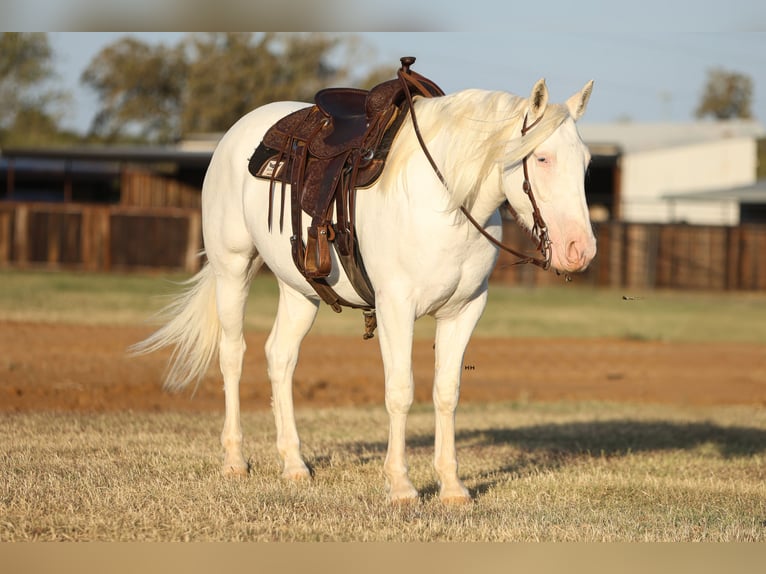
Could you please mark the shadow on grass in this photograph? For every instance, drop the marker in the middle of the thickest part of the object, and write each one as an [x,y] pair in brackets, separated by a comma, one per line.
[614,438]
[550,446]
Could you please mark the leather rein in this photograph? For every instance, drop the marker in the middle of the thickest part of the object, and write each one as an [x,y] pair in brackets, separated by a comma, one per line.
[539,230]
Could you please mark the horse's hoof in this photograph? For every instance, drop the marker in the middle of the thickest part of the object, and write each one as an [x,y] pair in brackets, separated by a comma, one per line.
[404,501]
[297,474]
[405,496]
[456,500]
[235,471]
[455,494]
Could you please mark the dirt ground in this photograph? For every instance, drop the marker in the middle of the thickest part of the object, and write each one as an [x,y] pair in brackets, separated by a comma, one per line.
[85,368]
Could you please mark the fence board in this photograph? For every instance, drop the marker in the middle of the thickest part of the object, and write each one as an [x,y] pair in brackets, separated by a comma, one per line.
[733,238]
[6,243]
[21,235]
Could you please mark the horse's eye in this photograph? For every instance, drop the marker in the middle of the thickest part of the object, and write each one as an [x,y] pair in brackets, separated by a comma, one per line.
[542,159]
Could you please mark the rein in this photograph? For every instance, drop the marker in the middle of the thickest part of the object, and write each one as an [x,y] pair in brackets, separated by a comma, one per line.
[539,230]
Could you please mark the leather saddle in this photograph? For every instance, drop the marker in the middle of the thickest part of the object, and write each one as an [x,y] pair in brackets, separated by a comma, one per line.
[325,153]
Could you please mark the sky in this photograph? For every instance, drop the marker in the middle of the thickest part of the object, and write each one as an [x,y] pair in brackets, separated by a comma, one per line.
[649,59]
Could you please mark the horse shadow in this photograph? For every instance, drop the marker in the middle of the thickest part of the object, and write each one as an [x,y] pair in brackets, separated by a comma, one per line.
[551,446]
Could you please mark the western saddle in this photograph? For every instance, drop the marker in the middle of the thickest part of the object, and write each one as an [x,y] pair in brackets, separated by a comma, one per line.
[325,153]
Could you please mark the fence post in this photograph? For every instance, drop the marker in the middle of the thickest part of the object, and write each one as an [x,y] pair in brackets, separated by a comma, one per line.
[104,236]
[21,235]
[617,258]
[5,237]
[53,251]
[732,258]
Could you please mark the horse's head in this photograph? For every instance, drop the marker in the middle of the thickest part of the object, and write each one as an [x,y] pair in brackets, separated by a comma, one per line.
[556,162]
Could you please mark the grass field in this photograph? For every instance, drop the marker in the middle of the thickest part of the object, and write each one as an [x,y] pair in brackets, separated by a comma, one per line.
[568,471]
[560,311]
[539,472]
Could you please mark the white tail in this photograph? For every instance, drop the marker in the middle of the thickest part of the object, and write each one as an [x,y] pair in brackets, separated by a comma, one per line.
[192,328]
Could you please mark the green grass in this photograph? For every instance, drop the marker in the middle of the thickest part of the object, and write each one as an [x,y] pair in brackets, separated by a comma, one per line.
[674,316]
[538,472]
[560,311]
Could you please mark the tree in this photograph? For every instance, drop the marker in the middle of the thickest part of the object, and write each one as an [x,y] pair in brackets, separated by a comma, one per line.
[139,87]
[28,105]
[727,95]
[208,81]
[232,73]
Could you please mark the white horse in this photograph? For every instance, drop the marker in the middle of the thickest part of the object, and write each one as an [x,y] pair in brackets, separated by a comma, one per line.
[422,255]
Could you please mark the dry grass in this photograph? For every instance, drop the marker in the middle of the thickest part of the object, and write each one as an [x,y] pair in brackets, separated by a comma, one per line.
[539,472]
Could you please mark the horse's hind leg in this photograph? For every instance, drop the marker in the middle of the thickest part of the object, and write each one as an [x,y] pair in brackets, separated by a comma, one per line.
[232,286]
[295,316]
[395,328]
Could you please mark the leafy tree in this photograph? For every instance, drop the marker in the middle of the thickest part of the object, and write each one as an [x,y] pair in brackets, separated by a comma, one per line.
[139,87]
[727,95]
[221,83]
[208,81]
[33,127]
[230,74]
[29,107]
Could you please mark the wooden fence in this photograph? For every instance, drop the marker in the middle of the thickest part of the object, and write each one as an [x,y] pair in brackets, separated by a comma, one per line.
[99,237]
[658,256]
[119,237]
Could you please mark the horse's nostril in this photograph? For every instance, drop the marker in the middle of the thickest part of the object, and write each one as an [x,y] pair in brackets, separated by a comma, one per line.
[574,253]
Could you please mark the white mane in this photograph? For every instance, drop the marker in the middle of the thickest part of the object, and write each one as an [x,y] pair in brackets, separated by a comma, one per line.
[483,134]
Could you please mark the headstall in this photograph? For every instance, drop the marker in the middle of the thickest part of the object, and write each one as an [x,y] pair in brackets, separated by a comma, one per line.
[539,230]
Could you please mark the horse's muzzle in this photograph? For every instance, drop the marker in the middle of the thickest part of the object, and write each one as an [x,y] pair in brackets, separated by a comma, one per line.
[576,255]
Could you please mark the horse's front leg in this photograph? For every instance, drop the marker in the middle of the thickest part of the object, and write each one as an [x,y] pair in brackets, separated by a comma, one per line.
[295,316]
[452,336]
[395,330]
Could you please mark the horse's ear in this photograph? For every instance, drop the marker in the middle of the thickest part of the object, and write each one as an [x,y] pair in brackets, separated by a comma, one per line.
[538,101]
[579,101]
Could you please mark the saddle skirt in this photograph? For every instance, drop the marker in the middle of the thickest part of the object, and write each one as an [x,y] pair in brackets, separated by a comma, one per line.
[325,153]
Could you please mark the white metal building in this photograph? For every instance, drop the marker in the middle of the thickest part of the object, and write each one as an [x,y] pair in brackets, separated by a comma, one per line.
[658,165]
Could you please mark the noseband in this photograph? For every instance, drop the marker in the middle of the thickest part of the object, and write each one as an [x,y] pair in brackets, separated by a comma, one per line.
[539,229]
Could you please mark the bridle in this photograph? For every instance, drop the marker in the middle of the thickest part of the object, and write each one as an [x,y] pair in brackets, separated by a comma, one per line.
[539,229]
